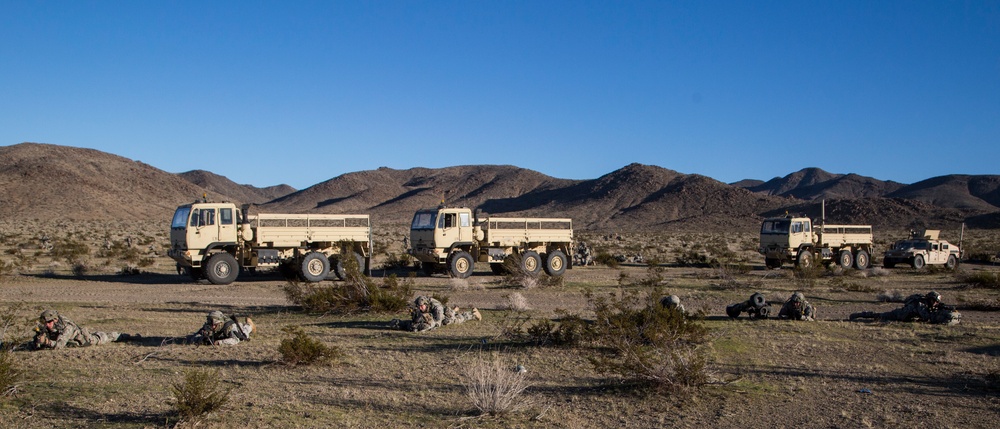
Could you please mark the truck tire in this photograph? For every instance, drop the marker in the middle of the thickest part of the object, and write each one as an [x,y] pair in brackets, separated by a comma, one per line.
[460,265]
[862,260]
[221,269]
[531,263]
[772,263]
[845,259]
[804,260]
[952,262]
[314,267]
[341,272]
[555,263]
[918,262]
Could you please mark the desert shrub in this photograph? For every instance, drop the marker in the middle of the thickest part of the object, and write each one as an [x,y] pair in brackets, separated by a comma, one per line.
[10,374]
[302,349]
[7,268]
[640,340]
[516,302]
[494,385]
[199,394]
[80,268]
[359,293]
[395,261]
[510,325]
[605,258]
[571,330]
[70,250]
[984,279]
[693,258]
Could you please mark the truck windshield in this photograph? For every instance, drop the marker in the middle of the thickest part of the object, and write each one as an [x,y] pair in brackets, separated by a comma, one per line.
[424,220]
[180,217]
[775,226]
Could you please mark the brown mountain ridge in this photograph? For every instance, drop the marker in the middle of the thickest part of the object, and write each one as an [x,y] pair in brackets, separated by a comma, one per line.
[51,182]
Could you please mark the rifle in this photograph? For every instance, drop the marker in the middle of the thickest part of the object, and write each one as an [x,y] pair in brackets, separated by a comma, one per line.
[757,307]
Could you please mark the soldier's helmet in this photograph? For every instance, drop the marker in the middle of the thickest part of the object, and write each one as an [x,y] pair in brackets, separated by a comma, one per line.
[216,316]
[421,300]
[670,301]
[48,316]
[933,296]
[798,297]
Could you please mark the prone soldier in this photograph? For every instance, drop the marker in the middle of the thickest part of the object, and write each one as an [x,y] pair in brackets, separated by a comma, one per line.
[220,330]
[797,308]
[922,308]
[56,332]
[428,313]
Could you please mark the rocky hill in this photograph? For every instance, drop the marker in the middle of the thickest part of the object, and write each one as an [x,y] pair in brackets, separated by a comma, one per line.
[219,185]
[57,182]
[42,181]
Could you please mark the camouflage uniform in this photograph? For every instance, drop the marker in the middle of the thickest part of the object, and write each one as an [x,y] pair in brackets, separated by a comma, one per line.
[916,307]
[429,313]
[672,301]
[220,330]
[797,308]
[55,332]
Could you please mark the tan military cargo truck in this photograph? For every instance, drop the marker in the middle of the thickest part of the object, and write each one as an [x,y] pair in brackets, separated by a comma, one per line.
[797,240]
[453,239]
[922,249]
[215,240]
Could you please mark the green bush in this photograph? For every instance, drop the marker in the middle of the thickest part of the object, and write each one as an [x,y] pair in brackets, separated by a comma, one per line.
[606,258]
[984,279]
[302,349]
[359,293]
[640,340]
[10,374]
[571,330]
[199,394]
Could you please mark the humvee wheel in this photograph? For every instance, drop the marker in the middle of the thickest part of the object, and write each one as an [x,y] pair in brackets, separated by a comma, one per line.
[918,262]
[952,262]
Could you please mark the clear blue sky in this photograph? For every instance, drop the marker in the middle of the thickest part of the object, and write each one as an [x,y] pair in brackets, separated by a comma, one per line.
[300,92]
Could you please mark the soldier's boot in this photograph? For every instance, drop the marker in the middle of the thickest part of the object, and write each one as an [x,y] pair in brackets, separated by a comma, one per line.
[864,315]
[253,326]
[475,313]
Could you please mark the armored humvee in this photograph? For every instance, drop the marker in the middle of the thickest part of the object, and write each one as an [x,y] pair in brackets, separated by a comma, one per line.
[921,249]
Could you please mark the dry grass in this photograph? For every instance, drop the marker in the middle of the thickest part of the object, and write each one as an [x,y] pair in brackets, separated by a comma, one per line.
[392,378]
[494,383]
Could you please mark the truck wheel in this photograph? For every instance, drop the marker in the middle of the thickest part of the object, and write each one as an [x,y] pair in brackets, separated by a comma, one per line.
[555,263]
[222,269]
[918,262]
[531,263]
[341,272]
[772,263]
[952,262]
[861,260]
[314,267]
[846,259]
[460,265]
[805,259]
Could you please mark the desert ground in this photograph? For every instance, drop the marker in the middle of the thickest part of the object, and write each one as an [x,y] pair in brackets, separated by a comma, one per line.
[764,373]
